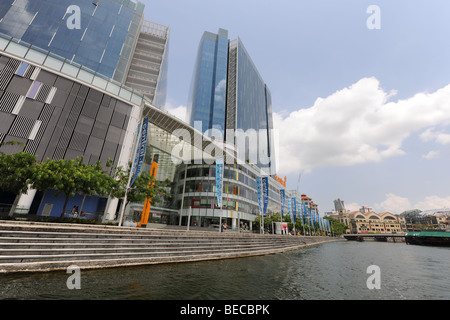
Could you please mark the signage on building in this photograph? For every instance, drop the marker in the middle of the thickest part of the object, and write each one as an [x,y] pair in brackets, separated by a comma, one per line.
[219,181]
[281,181]
[259,190]
[140,152]
[265,189]
[283,200]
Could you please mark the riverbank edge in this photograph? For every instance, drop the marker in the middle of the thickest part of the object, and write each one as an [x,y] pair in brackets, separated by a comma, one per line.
[52,266]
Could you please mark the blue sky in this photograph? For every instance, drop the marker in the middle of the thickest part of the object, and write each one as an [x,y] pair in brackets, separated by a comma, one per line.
[363,113]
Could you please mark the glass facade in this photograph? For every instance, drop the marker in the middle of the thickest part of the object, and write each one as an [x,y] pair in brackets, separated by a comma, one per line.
[240,197]
[103,42]
[253,107]
[229,93]
[208,93]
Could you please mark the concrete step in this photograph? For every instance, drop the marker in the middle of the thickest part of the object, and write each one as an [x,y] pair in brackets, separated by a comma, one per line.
[41,246]
[126,254]
[73,249]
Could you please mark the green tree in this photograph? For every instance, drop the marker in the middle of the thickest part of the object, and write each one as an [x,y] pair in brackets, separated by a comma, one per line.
[144,187]
[337,227]
[15,172]
[69,177]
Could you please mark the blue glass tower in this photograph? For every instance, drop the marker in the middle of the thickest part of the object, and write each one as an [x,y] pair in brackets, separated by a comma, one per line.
[104,41]
[228,93]
[208,92]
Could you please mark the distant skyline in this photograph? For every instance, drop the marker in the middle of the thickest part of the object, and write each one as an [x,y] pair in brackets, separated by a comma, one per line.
[363,114]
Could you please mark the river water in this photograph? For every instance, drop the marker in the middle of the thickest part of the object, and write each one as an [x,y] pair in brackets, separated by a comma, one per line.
[332,271]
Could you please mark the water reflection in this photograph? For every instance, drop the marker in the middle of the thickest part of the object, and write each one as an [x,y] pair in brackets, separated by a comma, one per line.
[330,271]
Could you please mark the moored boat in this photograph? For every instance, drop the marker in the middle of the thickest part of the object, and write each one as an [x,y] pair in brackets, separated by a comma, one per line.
[429,238]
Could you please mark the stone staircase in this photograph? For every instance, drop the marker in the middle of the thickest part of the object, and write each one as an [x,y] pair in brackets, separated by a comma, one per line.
[33,247]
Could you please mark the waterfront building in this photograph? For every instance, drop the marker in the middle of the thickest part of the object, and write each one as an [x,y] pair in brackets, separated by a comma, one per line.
[98,35]
[62,110]
[62,86]
[229,95]
[109,37]
[367,221]
[195,192]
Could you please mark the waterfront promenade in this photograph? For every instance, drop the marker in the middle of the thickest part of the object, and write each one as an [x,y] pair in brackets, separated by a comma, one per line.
[41,247]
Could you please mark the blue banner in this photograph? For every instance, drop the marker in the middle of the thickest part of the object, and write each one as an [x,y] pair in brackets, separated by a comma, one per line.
[283,201]
[259,189]
[294,208]
[310,218]
[289,200]
[140,152]
[219,181]
[304,213]
[265,190]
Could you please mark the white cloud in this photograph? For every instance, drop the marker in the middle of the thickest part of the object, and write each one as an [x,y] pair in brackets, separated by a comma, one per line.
[357,125]
[439,137]
[394,204]
[397,204]
[179,112]
[433,202]
[352,206]
[431,155]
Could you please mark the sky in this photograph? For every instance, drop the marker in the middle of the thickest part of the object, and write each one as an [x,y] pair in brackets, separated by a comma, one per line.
[360,91]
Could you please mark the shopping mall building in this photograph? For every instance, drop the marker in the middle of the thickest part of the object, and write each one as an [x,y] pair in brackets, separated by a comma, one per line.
[78,78]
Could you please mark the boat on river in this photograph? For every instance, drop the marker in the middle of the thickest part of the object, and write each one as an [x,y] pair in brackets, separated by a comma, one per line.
[429,238]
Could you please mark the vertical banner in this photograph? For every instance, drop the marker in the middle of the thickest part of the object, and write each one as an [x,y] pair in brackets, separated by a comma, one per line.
[304,213]
[283,201]
[294,209]
[310,218]
[290,208]
[219,181]
[140,152]
[265,189]
[259,190]
[318,219]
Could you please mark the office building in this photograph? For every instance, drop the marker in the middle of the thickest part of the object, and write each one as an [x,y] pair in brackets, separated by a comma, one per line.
[60,109]
[228,94]
[98,35]
[109,37]
[62,86]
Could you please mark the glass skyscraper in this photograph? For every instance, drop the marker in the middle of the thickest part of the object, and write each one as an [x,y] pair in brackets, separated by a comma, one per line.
[207,102]
[228,93]
[103,42]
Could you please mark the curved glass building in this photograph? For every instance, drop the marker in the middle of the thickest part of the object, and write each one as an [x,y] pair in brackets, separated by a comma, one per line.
[195,192]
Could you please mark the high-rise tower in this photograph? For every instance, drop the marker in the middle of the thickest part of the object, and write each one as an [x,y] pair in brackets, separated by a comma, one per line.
[229,94]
